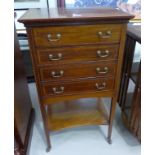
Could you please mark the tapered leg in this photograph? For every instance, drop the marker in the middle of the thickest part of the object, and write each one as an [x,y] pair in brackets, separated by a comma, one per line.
[43,111]
[112,114]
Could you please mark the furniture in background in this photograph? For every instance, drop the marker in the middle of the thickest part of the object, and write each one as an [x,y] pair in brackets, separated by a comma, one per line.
[76,53]
[130,101]
[24,47]
[23,111]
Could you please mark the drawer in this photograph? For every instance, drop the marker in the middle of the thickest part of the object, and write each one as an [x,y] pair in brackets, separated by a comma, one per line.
[77,71]
[77,35]
[76,54]
[78,87]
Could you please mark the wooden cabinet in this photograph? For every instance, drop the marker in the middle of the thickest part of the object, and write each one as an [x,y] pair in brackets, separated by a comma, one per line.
[130,101]
[23,111]
[76,53]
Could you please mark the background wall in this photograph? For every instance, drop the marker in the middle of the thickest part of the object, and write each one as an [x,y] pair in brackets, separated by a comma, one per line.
[53,3]
[21,4]
[24,4]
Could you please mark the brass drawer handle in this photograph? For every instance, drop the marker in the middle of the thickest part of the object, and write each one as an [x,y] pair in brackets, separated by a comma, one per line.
[57,74]
[50,39]
[52,58]
[58,90]
[103,54]
[100,87]
[104,35]
[99,71]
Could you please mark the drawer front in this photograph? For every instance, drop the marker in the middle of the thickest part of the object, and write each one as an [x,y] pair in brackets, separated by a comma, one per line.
[76,35]
[76,54]
[78,87]
[76,71]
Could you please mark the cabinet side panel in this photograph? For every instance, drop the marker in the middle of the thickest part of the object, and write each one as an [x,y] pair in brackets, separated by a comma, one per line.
[120,58]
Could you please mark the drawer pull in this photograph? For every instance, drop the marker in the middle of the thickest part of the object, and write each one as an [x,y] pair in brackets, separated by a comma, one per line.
[52,58]
[100,87]
[50,39]
[58,90]
[104,35]
[57,74]
[103,54]
[99,71]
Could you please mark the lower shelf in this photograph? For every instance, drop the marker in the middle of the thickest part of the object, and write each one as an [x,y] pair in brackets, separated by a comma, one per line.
[74,114]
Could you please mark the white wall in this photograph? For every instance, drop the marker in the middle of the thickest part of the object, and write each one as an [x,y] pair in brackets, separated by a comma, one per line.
[22,5]
[52,3]
[40,4]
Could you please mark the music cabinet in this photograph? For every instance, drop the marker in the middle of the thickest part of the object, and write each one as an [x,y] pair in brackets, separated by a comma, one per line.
[76,53]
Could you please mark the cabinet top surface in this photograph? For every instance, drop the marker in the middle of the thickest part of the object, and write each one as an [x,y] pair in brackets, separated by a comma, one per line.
[73,15]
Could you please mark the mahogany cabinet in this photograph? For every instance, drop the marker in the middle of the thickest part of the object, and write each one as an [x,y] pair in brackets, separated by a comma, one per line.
[76,53]
[130,100]
[23,111]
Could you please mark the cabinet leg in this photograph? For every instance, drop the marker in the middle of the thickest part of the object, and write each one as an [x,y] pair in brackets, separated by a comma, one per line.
[109,140]
[43,111]
[48,140]
[48,149]
[112,114]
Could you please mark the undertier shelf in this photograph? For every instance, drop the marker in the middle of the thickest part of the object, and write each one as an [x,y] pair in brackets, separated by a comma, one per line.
[76,113]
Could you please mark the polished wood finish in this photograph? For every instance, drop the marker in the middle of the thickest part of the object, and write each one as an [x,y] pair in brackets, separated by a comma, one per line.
[23,111]
[78,87]
[80,71]
[55,16]
[77,113]
[76,53]
[131,102]
[77,35]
